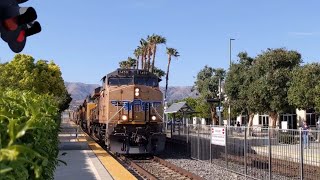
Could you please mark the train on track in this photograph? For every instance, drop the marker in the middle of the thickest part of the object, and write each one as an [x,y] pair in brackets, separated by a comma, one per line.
[126,112]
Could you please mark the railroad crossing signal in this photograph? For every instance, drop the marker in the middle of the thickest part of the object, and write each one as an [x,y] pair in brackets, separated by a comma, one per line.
[17,23]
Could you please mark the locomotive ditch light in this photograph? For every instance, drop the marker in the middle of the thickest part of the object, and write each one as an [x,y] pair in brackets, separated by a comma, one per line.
[153,117]
[124,117]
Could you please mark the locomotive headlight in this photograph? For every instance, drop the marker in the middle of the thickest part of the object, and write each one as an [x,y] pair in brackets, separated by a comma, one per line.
[124,117]
[136,91]
[153,118]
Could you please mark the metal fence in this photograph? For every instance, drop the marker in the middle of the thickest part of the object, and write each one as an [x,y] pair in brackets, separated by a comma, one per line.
[260,153]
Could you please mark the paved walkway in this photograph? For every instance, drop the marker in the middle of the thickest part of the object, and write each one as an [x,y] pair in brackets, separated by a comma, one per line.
[82,163]
[291,152]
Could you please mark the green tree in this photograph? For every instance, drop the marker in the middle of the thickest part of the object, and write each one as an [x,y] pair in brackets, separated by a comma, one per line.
[203,108]
[238,82]
[192,102]
[317,99]
[207,84]
[41,77]
[272,72]
[171,53]
[304,91]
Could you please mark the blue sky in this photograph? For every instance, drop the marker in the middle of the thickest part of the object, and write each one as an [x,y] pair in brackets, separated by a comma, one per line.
[87,39]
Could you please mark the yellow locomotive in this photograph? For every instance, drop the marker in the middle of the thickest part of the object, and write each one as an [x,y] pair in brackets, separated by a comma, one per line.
[126,112]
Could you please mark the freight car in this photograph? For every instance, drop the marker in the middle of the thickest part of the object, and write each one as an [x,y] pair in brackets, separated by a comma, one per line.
[126,112]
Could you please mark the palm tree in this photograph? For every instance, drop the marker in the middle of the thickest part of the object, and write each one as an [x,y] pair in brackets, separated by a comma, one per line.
[128,64]
[171,52]
[123,64]
[149,52]
[158,72]
[144,47]
[154,40]
[131,62]
[138,53]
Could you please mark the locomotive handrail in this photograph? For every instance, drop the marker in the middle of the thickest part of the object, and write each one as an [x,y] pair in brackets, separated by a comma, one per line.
[122,134]
[157,113]
[155,133]
[106,131]
[114,115]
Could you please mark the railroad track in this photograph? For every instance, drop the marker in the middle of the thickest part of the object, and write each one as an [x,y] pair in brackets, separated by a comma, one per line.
[154,168]
[150,167]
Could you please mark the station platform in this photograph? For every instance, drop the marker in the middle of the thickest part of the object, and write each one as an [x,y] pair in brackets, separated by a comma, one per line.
[85,159]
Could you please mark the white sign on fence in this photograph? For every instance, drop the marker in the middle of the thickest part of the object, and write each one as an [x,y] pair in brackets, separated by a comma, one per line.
[284,125]
[219,109]
[218,136]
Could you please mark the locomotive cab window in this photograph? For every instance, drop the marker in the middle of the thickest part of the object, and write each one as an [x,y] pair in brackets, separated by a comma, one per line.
[146,81]
[119,81]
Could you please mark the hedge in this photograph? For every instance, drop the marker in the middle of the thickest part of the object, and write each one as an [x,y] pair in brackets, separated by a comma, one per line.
[29,125]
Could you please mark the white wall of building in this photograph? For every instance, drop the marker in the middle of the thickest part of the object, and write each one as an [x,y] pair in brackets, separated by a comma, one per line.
[203,121]
[301,116]
[196,120]
[255,121]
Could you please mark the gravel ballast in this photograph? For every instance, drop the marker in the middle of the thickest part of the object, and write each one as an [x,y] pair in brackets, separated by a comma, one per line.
[214,170]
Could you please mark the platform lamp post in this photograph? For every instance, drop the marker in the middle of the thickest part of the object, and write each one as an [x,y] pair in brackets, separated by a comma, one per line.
[220,118]
[165,119]
[229,107]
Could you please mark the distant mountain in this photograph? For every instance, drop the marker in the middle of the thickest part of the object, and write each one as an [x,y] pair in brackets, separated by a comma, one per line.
[79,91]
[178,92]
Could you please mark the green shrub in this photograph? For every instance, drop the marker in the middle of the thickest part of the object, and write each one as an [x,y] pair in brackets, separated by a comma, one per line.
[28,135]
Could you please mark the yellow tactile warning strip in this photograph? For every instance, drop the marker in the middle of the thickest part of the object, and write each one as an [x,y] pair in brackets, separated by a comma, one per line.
[82,139]
[116,170]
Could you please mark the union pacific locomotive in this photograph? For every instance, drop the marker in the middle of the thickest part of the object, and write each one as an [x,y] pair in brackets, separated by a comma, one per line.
[125,112]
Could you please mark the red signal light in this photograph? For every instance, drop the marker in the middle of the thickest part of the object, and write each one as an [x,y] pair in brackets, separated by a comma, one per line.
[10,24]
[21,36]
[17,23]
